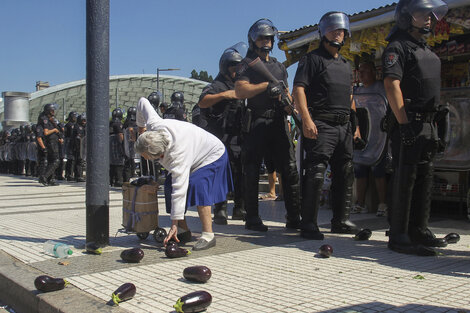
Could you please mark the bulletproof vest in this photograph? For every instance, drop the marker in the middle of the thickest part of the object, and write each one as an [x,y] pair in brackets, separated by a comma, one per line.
[175,112]
[335,81]
[233,117]
[421,80]
[69,129]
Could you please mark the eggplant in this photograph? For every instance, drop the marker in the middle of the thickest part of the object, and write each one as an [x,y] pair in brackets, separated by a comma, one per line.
[363,235]
[46,283]
[124,292]
[326,251]
[93,248]
[134,255]
[199,274]
[452,238]
[193,302]
[173,251]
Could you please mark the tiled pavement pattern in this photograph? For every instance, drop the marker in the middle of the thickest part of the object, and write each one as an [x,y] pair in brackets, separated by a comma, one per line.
[251,272]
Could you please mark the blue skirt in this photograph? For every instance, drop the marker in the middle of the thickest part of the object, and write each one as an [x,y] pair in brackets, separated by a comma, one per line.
[207,186]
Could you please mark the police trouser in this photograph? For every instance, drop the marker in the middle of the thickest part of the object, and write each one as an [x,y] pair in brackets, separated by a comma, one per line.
[52,160]
[333,146]
[42,161]
[69,167]
[115,174]
[412,181]
[78,166]
[237,176]
[129,169]
[269,136]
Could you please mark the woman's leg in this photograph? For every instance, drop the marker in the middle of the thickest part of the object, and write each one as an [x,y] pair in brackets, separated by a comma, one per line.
[205,217]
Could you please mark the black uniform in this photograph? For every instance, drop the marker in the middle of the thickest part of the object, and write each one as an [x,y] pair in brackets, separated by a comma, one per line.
[176,112]
[328,88]
[116,159]
[51,142]
[59,173]
[69,167]
[419,71]
[78,136]
[130,126]
[268,133]
[223,120]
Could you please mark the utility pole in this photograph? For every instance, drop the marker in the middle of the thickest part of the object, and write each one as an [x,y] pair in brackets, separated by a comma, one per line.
[97,111]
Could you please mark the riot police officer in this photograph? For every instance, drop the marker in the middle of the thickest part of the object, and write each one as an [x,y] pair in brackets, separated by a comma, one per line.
[323,92]
[59,173]
[175,109]
[79,144]
[51,137]
[267,132]
[412,82]
[116,144]
[130,136]
[68,135]
[222,110]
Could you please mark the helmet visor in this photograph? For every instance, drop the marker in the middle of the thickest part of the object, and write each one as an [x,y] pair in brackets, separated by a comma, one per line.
[262,27]
[420,9]
[241,48]
[334,21]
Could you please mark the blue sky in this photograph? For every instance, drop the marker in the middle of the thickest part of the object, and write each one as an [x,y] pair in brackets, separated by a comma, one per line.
[45,40]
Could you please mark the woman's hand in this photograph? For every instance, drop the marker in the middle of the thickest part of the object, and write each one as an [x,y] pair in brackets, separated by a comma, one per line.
[172,234]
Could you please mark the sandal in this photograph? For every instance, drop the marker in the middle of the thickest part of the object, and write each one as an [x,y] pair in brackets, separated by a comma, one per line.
[267,197]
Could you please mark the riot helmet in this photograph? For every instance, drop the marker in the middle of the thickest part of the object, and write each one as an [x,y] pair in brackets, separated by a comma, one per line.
[81,120]
[177,97]
[49,109]
[231,57]
[164,106]
[132,113]
[117,114]
[72,117]
[262,27]
[27,128]
[21,129]
[154,99]
[332,21]
[407,10]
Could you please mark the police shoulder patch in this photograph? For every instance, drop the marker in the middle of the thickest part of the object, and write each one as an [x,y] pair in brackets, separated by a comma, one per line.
[390,59]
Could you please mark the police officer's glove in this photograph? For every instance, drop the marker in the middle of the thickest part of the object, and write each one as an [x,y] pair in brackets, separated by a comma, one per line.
[407,134]
[274,90]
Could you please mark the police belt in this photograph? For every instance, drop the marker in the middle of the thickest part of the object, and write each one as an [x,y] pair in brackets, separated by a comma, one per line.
[331,117]
[269,114]
[425,117]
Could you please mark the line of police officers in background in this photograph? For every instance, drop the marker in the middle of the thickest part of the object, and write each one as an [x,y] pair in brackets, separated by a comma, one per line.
[246,108]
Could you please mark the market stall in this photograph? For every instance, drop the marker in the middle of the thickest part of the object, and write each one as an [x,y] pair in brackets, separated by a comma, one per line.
[451,42]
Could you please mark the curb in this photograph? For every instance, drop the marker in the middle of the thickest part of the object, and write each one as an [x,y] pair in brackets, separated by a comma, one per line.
[18,291]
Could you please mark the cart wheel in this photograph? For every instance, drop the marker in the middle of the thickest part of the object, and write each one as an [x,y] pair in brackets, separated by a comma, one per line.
[159,234]
[142,236]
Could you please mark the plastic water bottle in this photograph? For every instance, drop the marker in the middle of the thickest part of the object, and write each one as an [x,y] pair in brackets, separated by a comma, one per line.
[57,249]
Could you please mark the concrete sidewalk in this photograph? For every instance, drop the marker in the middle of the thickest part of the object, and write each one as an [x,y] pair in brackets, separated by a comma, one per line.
[275,271]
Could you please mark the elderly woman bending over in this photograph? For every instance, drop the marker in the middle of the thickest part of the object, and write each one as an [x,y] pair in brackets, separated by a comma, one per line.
[198,165]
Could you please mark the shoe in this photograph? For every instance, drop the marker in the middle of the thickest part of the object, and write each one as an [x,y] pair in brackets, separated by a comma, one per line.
[344,228]
[313,234]
[80,180]
[402,244]
[426,238]
[294,224]
[184,237]
[69,178]
[356,209]
[238,214]
[52,183]
[382,210]
[42,180]
[203,244]
[256,227]
[279,198]
[267,197]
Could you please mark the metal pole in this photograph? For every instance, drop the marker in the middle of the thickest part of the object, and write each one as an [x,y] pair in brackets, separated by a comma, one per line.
[158,78]
[117,98]
[63,108]
[97,109]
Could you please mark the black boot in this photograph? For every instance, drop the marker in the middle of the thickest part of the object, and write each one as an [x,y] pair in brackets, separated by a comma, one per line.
[420,208]
[401,243]
[239,212]
[220,213]
[311,192]
[341,194]
[291,193]
[250,196]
